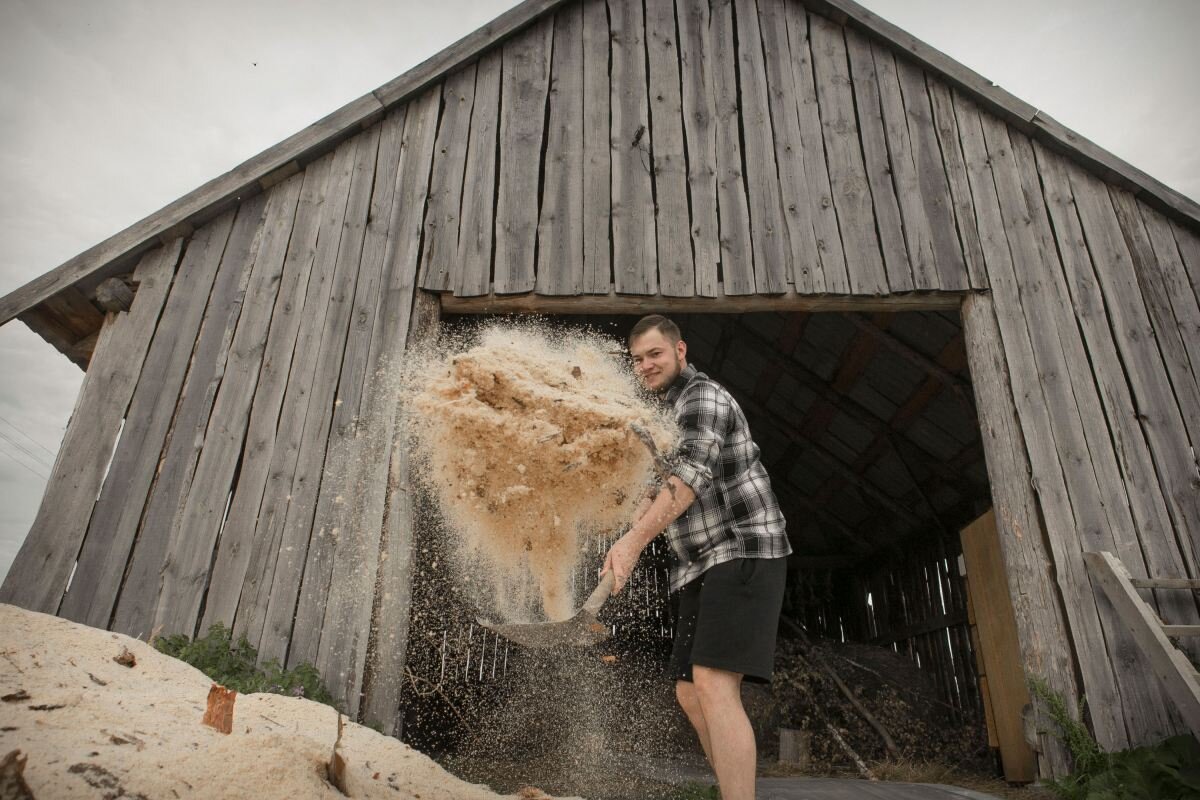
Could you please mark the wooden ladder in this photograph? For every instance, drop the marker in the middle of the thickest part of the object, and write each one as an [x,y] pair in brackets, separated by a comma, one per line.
[1177,673]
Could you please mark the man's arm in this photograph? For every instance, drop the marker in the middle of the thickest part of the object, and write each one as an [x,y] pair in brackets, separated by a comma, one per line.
[672,500]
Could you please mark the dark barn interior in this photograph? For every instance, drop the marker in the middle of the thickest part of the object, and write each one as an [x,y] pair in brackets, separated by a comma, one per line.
[867,427]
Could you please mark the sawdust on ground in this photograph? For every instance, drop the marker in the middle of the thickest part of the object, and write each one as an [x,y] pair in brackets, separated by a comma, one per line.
[98,714]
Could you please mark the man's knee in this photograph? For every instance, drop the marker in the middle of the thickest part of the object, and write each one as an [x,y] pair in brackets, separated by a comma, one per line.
[685,693]
[715,684]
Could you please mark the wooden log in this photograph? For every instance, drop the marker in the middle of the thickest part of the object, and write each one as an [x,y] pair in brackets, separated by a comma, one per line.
[635,263]
[597,167]
[768,230]
[878,169]
[699,126]
[42,567]
[676,267]
[795,747]
[392,610]
[237,535]
[337,376]
[476,233]
[524,92]
[560,222]
[1176,674]
[832,276]
[1127,366]
[265,553]
[789,149]
[440,257]
[847,175]
[114,295]
[946,125]
[122,501]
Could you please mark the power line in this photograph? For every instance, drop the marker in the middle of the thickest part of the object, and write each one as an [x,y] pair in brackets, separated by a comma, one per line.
[27,436]
[40,461]
[23,464]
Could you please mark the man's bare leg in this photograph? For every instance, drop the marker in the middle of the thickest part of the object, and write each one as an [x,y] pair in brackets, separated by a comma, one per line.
[731,738]
[689,701]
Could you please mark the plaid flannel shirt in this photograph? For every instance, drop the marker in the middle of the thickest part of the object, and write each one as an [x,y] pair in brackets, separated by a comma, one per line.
[735,514]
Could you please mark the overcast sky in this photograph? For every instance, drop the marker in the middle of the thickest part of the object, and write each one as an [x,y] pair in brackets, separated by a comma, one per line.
[110,109]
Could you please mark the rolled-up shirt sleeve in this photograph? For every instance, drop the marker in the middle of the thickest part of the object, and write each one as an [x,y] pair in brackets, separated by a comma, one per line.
[703,419]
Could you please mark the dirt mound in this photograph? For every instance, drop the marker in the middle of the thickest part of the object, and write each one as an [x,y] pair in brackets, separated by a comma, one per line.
[97,714]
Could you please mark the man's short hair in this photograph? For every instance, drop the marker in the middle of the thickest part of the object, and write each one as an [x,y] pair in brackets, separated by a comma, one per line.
[656,322]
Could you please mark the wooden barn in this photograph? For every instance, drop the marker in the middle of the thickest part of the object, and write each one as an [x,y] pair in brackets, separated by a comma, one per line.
[931,299]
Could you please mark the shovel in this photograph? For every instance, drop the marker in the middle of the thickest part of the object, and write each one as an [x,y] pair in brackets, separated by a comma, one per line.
[580,630]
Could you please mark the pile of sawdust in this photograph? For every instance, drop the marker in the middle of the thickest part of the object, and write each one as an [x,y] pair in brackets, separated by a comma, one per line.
[97,714]
[530,440]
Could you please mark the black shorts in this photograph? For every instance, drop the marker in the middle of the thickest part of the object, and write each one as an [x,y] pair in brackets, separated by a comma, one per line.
[728,618]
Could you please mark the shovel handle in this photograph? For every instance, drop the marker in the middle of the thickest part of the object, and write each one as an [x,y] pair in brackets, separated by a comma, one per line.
[600,594]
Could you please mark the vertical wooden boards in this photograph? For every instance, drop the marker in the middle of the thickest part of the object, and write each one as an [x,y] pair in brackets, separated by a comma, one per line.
[789,150]
[391,613]
[338,338]
[440,258]
[597,167]
[560,221]
[697,102]
[1029,383]
[1189,249]
[237,536]
[1121,348]
[42,568]
[831,277]
[1151,717]
[956,173]
[268,552]
[772,255]
[905,172]
[931,177]
[190,556]
[635,260]
[476,233]
[847,175]
[676,268]
[122,501]
[355,498]
[875,161]
[524,88]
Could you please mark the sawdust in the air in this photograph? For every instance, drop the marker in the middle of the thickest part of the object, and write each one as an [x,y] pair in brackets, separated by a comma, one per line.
[528,438]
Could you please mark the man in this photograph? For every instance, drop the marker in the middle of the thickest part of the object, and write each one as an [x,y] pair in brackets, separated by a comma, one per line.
[729,553]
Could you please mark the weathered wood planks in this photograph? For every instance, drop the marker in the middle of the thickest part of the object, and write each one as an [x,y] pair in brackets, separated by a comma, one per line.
[441,254]
[847,175]
[697,103]
[238,535]
[597,167]
[634,246]
[524,83]
[42,568]
[560,223]
[676,268]
[476,233]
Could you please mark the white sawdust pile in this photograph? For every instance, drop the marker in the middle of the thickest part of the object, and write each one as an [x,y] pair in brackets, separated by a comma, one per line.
[95,714]
[531,439]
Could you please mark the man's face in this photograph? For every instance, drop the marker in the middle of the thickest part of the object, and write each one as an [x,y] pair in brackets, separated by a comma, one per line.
[657,361]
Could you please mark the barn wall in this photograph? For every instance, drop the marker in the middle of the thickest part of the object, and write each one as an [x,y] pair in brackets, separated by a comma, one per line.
[664,151]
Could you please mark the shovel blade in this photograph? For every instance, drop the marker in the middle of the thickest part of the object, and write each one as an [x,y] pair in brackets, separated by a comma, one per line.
[581,630]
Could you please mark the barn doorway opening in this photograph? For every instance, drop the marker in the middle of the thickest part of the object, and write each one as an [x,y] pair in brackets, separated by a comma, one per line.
[867,426]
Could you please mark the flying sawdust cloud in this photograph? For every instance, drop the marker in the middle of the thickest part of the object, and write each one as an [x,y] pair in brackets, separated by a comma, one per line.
[528,438]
